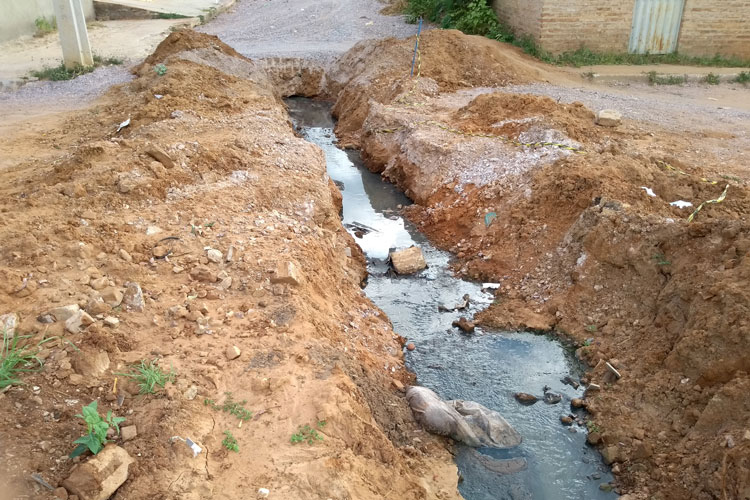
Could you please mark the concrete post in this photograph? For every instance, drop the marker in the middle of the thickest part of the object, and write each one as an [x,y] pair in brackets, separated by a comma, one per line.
[74,38]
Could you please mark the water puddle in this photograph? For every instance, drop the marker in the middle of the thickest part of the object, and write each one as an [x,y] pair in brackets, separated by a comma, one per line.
[488,366]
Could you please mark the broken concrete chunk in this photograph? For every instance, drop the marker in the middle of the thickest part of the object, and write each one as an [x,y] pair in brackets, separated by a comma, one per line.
[160,155]
[286,272]
[79,320]
[8,324]
[611,375]
[408,261]
[609,118]
[129,432]
[112,296]
[100,477]
[133,297]
[111,321]
[65,312]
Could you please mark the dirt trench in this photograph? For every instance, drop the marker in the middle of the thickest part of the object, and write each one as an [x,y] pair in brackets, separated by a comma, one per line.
[203,229]
[580,225]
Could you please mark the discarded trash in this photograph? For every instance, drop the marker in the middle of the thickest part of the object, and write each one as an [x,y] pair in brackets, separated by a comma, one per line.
[263,492]
[489,218]
[458,307]
[193,446]
[158,96]
[491,285]
[358,226]
[123,125]
[36,477]
[499,466]
[681,204]
[717,200]
[649,191]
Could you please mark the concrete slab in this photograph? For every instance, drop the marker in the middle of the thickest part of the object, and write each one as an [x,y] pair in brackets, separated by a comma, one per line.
[186,8]
[639,74]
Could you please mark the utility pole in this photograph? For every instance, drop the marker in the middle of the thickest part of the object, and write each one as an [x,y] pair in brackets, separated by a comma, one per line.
[74,38]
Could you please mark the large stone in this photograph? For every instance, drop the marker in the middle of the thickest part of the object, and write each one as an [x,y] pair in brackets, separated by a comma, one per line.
[609,118]
[112,296]
[132,300]
[100,477]
[8,324]
[611,454]
[79,320]
[408,261]
[214,255]
[160,155]
[203,273]
[286,272]
[65,312]
[91,364]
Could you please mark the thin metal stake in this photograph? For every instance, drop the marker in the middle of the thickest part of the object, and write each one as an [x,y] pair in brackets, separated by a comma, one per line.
[416,47]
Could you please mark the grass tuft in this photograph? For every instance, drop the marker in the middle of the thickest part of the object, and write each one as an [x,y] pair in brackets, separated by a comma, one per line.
[16,359]
[656,79]
[712,79]
[45,26]
[230,442]
[149,376]
[61,73]
[743,77]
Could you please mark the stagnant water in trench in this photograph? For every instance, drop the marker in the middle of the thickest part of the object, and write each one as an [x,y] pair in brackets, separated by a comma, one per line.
[487,366]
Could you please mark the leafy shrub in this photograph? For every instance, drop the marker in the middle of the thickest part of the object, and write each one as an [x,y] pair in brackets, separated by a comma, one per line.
[96,428]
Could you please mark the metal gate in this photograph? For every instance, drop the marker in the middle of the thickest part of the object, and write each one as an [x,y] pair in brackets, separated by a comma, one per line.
[656,26]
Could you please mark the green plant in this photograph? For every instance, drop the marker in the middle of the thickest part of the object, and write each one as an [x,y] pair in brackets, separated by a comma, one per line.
[743,77]
[149,376]
[591,328]
[96,428]
[712,79]
[231,406]
[61,72]
[593,427]
[108,61]
[169,15]
[45,26]
[655,79]
[308,434]
[16,358]
[229,442]
[661,259]
[160,69]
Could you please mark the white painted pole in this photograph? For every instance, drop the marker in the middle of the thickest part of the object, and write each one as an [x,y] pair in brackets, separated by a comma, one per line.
[74,38]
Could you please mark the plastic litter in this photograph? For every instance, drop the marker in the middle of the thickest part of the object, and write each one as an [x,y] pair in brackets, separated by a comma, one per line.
[123,125]
[263,492]
[189,442]
[681,204]
[489,218]
[649,191]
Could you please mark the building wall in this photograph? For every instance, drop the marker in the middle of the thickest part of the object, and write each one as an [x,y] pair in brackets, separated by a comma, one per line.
[524,17]
[711,27]
[18,16]
[708,26]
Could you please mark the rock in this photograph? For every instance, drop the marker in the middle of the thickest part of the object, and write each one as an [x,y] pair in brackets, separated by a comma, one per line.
[410,346]
[125,255]
[594,438]
[191,393]
[125,185]
[233,352]
[214,255]
[569,381]
[642,450]
[100,476]
[75,379]
[160,155]
[65,312]
[96,305]
[8,324]
[611,454]
[609,118]
[525,398]
[287,273]
[408,261]
[160,251]
[91,364]
[605,487]
[128,432]
[111,321]
[112,296]
[398,385]
[552,398]
[230,254]
[566,420]
[99,283]
[132,299]
[45,318]
[577,403]
[464,325]
[77,321]
[60,493]
[203,273]
[611,375]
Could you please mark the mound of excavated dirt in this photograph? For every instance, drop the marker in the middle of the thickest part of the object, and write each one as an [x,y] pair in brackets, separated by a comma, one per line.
[187,40]
[379,70]
[587,244]
[204,236]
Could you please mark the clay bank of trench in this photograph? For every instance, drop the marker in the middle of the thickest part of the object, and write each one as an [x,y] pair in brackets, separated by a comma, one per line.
[206,235]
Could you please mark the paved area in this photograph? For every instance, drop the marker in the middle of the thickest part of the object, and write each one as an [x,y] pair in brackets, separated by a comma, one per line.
[187,8]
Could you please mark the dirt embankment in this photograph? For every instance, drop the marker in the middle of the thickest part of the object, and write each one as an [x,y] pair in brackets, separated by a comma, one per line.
[576,223]
[220,227]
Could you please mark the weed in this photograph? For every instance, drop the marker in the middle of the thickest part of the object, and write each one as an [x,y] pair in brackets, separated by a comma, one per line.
[15,359]
[730,177]
[591,328]
[230,443]
[149,376]
[588,75]
[661,260]
[592,427]
[231,406]
[308,434]
[743,77]
[96,428]
[712,79]
[59,73]
[656,79]
[108,61]
[160,69]
[169,15]
[45,26]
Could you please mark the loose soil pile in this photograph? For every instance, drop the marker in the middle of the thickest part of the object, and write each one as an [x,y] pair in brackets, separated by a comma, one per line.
[221,227]
[570,230]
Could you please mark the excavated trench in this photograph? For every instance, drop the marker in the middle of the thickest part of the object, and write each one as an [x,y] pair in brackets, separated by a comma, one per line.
[487,366]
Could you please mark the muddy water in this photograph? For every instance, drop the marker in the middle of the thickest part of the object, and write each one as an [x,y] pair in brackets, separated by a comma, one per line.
[488,366]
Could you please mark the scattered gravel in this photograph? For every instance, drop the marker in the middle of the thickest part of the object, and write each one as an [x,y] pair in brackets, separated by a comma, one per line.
[313,29]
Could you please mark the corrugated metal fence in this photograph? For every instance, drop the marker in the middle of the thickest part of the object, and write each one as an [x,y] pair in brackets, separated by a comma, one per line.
[656,26]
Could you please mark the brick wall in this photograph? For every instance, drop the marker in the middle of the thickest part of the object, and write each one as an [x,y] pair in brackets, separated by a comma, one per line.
[715,26]
[708,26]
[523,16]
